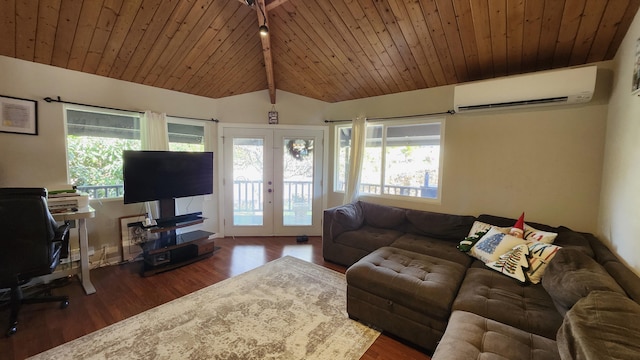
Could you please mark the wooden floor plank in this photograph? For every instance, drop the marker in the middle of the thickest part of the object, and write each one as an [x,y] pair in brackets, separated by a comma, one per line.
[122,293]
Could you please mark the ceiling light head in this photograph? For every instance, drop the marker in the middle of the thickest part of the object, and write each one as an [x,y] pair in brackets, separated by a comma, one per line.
[264,30]
[249,2]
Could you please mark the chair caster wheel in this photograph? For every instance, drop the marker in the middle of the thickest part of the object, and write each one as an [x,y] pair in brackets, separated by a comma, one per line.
[64,304]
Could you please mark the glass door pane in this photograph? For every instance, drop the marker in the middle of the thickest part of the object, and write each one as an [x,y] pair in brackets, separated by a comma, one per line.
[297,176]
[272,181]
[248,175]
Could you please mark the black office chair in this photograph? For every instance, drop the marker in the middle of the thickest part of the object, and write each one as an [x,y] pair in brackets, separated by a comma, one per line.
[30,245]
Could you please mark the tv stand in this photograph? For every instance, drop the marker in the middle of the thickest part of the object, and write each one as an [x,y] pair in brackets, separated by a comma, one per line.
[170,250]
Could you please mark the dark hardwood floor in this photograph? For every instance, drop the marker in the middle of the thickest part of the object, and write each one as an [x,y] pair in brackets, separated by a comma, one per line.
[122,292]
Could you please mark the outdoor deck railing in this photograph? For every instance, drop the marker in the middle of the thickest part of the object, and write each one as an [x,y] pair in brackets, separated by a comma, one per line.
[248,194]
[103,191]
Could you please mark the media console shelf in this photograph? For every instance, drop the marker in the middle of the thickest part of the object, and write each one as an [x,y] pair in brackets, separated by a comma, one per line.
[169,250]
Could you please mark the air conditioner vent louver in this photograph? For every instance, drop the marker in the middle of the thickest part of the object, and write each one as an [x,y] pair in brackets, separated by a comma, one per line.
[569,86]
[561,99]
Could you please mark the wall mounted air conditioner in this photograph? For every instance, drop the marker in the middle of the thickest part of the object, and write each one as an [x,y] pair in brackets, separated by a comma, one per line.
[569,86]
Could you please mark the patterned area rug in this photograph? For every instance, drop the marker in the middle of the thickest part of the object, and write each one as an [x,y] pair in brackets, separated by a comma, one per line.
[285,309]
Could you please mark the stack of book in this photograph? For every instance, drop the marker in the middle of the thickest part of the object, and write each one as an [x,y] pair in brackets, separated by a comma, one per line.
[66,199]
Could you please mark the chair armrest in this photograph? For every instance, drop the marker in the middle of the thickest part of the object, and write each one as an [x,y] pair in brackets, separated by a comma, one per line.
[61,235]
[342,218]
[61,232]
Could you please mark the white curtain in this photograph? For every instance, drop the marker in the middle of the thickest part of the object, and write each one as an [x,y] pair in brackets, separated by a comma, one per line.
[153,136]
[356,156]
[153,131]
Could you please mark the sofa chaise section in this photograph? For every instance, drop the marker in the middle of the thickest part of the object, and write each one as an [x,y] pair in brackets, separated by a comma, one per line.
[404,293]
[471,336]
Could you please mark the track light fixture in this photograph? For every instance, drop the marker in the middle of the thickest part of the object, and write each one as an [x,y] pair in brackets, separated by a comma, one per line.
[263,29]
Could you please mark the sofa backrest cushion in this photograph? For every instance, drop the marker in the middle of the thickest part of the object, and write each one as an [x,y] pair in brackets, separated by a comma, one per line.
[603,325]
[629,281]
[570,239]
[383,216]
[349,216]
[438,225]
[508,222]
[572,275]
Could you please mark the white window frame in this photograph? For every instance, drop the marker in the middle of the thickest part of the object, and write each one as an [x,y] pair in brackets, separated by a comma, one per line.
[385,123]
[205,124]
[98,110]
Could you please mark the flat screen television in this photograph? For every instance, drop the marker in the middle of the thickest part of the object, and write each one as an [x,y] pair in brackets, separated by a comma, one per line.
[165,176]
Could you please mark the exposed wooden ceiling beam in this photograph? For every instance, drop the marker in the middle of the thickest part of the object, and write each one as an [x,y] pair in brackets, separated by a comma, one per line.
[266,50]
[274,4]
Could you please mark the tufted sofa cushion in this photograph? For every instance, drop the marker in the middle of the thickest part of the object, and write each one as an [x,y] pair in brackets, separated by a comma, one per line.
[470,336]
[492,295]
[419,282]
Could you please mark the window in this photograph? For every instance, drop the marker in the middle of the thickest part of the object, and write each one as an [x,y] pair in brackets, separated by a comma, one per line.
[400,159]
[95,141]
[185,135]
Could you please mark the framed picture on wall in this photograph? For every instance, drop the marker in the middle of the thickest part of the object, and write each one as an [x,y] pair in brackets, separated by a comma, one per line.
[18,116]
[635,85]
[132,237]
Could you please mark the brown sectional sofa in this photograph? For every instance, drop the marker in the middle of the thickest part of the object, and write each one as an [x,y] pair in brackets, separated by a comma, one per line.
[405,276]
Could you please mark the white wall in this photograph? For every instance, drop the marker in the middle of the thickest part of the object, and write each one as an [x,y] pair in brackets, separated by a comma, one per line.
[41,160]
[619,219]
[546,162]
[253,108]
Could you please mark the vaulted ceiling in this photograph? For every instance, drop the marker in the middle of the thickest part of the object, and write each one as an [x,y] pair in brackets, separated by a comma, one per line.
[331,50]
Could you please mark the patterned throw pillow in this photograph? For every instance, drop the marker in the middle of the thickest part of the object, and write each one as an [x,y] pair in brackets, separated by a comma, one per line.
[532,234]
[467,243]
[479,226]
[493,244]
[540,254]
[513,263]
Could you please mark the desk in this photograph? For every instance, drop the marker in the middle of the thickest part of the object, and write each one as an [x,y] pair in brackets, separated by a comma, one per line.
[81,215]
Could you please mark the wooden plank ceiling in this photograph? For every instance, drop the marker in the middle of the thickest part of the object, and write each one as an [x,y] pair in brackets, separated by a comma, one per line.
[331,50]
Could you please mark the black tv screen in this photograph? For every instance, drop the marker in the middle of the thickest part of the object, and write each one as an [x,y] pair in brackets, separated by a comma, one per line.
[161,175]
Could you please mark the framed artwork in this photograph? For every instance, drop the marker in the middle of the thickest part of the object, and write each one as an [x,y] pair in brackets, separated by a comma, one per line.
[273,116]
[131,237]
[18,116]
[635,87]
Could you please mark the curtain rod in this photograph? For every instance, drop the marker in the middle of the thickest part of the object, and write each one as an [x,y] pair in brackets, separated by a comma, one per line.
[48,99]
[450,112]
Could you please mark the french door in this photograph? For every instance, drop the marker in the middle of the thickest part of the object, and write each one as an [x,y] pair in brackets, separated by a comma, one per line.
[272,181]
